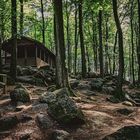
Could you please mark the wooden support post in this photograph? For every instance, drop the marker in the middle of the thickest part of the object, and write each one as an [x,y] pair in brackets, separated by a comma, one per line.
[36,55]
[4,82]
[25,51]
[40,54]
[44,57]
[48,59]
[5,57]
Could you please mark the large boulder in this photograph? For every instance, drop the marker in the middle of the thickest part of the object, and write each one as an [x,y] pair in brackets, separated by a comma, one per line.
[125,133]
[39,107]
[108,89]
[74,83]
[96,84]
[43,121]
[24,71]
[7,123]
[31,80]
[93,75]
[62,108]
[45,97]
[36,76]
[84,86]
[20,94]
[47,73]
[59,135]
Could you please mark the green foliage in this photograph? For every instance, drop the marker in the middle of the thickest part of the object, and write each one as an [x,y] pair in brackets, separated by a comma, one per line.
[33,26]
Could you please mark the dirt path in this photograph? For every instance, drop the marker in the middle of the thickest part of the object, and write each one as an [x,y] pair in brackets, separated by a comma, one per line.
[102,117]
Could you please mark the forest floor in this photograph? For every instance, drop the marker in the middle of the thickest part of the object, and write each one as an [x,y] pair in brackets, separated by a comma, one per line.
[102,117]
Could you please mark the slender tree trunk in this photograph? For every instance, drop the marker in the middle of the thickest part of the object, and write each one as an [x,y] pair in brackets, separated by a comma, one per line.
[96,53]
[114,52]
[35,28]
[130,64]
[82,39]
[1,31]
[100,44]
[43,22]
[0,53]
[35,36]
[88,59]
[106,48]
[60,45]
[13,70]
[94,41]
[21,17]
[132,43]
[119,94]
[138,47]
[68,38]
[57,69]
[136,41]
[76,39]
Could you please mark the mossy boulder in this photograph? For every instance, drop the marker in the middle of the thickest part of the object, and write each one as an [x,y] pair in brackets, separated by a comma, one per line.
[74,83]
[62,108]
[59,135]
[96,84]
[125,133]
[43,121]
[20,94]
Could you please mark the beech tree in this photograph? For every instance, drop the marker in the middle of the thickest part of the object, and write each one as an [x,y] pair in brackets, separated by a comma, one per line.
[62,79]
[92,42]
[119,93]
[13,69]
[21,17]
[43,21]
[83,59]
[100,44]
[138,48]
[75,37]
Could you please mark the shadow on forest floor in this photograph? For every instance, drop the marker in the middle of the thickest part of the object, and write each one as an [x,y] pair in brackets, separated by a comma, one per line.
[102,117]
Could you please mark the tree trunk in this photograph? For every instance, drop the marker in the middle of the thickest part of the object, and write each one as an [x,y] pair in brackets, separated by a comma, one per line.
[132,42]
[60,46]
[106,48]
[82,39]
[138,47]
[100,44]
[0,56]
[130,64]
[13,70]
[114,52]
[68,38]
[21,17]
[119,93]
[1,31]
[94,41]
[88,59]
[43,22]
[76,39]
[96,53]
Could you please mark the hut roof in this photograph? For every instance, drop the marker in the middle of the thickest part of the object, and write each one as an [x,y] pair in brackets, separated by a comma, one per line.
[25,41]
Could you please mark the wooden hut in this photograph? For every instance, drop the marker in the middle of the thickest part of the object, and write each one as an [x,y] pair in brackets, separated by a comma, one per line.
[30,52]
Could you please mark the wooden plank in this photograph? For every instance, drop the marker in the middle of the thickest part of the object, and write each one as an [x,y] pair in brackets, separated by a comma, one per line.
[4,82]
